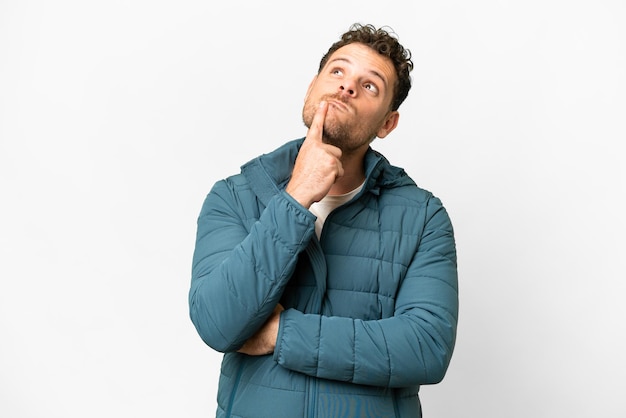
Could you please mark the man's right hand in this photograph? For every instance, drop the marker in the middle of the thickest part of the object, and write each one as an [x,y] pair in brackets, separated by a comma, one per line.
[318,165]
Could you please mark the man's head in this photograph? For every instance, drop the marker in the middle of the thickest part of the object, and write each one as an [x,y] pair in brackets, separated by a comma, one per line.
[364,77]
[386,44]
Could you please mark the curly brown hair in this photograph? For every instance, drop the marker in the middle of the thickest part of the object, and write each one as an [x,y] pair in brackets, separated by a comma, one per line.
[386,43]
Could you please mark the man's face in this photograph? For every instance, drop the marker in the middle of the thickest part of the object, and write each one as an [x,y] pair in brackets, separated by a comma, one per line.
[357,83]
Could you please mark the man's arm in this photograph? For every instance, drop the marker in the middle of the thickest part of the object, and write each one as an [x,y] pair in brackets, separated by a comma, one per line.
[264,340]
[238,274]
[412,347]
[241,266]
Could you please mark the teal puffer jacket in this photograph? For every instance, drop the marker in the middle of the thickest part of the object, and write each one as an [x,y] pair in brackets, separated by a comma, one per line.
[370,308]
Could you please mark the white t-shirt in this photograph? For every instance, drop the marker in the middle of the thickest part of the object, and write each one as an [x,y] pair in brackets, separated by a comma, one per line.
[322,208]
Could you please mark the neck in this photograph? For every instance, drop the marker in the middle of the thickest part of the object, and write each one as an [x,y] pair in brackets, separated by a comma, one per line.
[353,174]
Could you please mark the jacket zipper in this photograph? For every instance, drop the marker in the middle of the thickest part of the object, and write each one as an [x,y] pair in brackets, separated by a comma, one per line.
[396,411]
[235,388]
[312,397]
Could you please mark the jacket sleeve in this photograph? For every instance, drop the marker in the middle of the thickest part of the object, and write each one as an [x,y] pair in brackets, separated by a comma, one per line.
[412,347]
[242,261]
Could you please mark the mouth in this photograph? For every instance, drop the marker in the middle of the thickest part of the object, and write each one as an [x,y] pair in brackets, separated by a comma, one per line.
[338,104]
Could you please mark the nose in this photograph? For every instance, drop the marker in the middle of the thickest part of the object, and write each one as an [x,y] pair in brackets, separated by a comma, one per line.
[347,87]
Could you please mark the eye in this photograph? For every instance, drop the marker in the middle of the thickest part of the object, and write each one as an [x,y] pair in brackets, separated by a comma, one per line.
[371,87]
[336,71]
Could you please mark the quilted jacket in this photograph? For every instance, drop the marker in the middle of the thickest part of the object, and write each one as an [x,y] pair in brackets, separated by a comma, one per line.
[370,308]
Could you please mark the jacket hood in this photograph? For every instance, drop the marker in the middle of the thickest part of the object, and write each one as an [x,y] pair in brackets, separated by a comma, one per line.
[269,173]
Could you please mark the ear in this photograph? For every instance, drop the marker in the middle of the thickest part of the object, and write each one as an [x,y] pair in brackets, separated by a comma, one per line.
[308,90]
[390,123]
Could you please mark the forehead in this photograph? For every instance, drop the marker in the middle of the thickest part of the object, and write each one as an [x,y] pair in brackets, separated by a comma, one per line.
[366,59]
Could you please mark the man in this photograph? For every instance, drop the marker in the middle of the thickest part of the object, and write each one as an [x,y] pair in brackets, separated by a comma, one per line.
[325,275]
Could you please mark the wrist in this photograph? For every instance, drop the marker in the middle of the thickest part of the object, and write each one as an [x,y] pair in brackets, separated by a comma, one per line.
[301,198]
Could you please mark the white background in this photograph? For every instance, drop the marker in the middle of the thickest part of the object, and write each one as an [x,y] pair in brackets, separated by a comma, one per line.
[116,117]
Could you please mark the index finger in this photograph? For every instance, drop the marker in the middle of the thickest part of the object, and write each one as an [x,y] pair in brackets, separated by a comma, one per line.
[317,125]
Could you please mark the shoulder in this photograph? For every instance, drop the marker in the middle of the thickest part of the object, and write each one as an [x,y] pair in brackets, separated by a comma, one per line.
[397,187]
[401,196]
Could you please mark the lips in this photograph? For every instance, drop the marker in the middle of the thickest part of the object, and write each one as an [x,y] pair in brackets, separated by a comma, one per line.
[338,104]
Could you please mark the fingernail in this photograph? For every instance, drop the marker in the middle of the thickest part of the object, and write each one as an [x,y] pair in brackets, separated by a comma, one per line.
[322,103]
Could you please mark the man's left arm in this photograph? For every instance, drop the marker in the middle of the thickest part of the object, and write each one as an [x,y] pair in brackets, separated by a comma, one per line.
[413,347]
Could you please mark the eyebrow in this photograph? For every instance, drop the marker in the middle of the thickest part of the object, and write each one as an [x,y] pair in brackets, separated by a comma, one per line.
[372,72]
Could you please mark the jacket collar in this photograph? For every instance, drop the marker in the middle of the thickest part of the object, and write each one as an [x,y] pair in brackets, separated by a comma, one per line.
[269,173]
